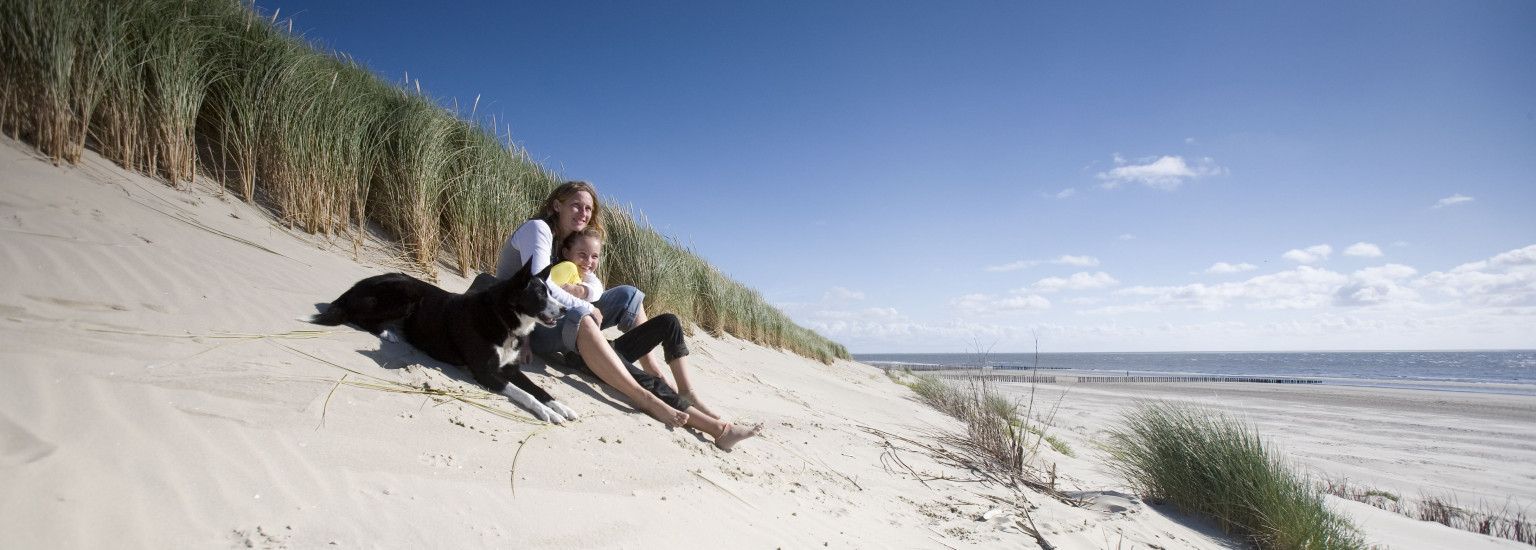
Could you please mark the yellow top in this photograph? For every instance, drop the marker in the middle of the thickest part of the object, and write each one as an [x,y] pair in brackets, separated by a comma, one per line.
[564,273]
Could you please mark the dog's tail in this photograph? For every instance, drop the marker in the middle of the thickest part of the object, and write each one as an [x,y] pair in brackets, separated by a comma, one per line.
[332,316]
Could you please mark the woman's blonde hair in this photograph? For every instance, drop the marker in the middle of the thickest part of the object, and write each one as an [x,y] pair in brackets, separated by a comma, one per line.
[565,192]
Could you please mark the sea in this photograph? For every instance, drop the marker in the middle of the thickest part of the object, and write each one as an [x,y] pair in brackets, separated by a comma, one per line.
[1494,371]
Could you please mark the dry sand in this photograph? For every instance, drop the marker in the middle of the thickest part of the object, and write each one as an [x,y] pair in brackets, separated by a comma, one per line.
[158,392]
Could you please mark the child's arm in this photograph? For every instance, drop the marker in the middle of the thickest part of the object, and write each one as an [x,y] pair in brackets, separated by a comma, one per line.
[592,286]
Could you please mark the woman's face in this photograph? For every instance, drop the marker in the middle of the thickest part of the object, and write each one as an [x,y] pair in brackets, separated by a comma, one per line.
[575,212]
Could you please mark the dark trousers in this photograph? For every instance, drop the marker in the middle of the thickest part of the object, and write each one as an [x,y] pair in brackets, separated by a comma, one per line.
[663,330]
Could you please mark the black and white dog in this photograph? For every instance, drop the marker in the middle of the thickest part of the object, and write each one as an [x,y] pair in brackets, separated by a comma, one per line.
[481,329]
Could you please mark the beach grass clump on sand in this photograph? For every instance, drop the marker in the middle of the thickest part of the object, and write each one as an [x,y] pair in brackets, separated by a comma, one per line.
[1503,522]
[1060,445]
[1209,464]
[178,88]
[998,427]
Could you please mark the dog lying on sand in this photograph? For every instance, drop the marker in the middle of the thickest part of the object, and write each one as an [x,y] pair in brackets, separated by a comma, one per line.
[482,329]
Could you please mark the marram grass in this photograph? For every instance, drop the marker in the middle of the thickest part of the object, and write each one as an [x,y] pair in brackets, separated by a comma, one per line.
[1209,464]
[178,88]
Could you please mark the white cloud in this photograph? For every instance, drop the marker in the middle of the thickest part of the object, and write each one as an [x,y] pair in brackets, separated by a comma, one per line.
[1067,259]
[1078,281]
[840,294]
[1065,193]
[1223,268]
[1521,257]
[1079,261]
[1126,237]
[1017,300]
[1453,200]
[1013,266]
[1301,288]
[1309,255]
[1377,286]
[1166,172]
[1024,302]
[1505,280]
[1363,250]
[1189,140]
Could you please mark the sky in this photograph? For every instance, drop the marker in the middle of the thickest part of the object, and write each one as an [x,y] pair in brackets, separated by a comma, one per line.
[983,176]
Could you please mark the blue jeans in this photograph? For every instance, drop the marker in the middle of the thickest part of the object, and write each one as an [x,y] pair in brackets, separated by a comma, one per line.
[619,305]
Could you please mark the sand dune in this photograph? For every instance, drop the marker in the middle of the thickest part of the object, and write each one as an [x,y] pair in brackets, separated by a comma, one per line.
[159,392]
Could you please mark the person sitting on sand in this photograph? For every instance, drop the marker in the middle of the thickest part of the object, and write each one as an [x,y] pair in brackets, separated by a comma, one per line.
[570,208]
[577,275]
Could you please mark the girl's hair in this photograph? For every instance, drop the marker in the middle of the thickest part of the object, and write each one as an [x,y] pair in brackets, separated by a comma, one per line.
[564,192]
[570,240]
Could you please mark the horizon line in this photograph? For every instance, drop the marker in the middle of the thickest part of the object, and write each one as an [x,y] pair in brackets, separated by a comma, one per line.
[1467,350]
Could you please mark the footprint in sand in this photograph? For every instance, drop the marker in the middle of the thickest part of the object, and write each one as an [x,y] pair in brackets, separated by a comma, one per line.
[78,304]
[438,460]
[20,446]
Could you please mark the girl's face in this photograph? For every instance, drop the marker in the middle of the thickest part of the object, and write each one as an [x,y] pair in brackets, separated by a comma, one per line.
[584,252]
[575,212]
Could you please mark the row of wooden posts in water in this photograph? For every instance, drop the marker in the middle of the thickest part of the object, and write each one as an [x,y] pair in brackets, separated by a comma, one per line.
[1029,376]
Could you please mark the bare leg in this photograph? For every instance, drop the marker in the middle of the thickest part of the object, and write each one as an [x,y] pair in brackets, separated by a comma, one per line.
[601,360]
[682,385]
[685,388]
[725,434]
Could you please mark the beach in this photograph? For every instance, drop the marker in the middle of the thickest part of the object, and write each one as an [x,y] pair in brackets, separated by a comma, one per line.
[161,392]
[1463,448]
[1453,445]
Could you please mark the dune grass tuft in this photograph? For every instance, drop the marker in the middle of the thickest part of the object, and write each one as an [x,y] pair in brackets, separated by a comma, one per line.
[1507,521]
[1209,464]
[177,88]
[999,429]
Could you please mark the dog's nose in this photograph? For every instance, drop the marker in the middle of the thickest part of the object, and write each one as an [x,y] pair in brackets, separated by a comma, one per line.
[562,310]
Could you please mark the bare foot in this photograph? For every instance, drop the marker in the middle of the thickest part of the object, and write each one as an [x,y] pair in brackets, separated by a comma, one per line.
[693,399]
[673,418]
[735,434]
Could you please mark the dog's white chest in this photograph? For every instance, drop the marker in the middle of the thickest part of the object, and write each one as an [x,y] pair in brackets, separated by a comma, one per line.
[507,351]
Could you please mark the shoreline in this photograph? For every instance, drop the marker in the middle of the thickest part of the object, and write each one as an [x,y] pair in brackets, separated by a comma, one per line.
[1465,385]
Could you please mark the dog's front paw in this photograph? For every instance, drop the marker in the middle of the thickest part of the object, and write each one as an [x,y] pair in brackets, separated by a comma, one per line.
[562,409]
[390,336]
[547,414]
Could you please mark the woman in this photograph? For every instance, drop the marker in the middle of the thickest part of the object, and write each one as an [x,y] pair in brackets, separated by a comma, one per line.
[570,208]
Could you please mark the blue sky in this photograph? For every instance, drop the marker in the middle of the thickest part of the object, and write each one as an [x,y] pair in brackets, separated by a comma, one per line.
[947,176]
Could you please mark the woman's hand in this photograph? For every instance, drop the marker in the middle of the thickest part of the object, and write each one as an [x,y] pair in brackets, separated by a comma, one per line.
[579,291]
[597,315]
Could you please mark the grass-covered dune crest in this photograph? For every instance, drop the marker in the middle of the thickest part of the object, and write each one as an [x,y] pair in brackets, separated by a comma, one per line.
[174,89]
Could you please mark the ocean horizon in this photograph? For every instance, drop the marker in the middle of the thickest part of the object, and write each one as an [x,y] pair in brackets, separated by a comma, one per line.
[1466,369]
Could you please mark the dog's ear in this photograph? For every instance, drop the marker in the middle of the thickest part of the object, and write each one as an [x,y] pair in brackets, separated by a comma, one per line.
[544,275]
[521,277]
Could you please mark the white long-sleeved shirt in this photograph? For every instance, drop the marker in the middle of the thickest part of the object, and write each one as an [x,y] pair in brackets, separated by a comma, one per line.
[594,286]
[533,243]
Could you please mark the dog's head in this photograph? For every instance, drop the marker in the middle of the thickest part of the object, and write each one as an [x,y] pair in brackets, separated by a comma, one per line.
[527,294]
